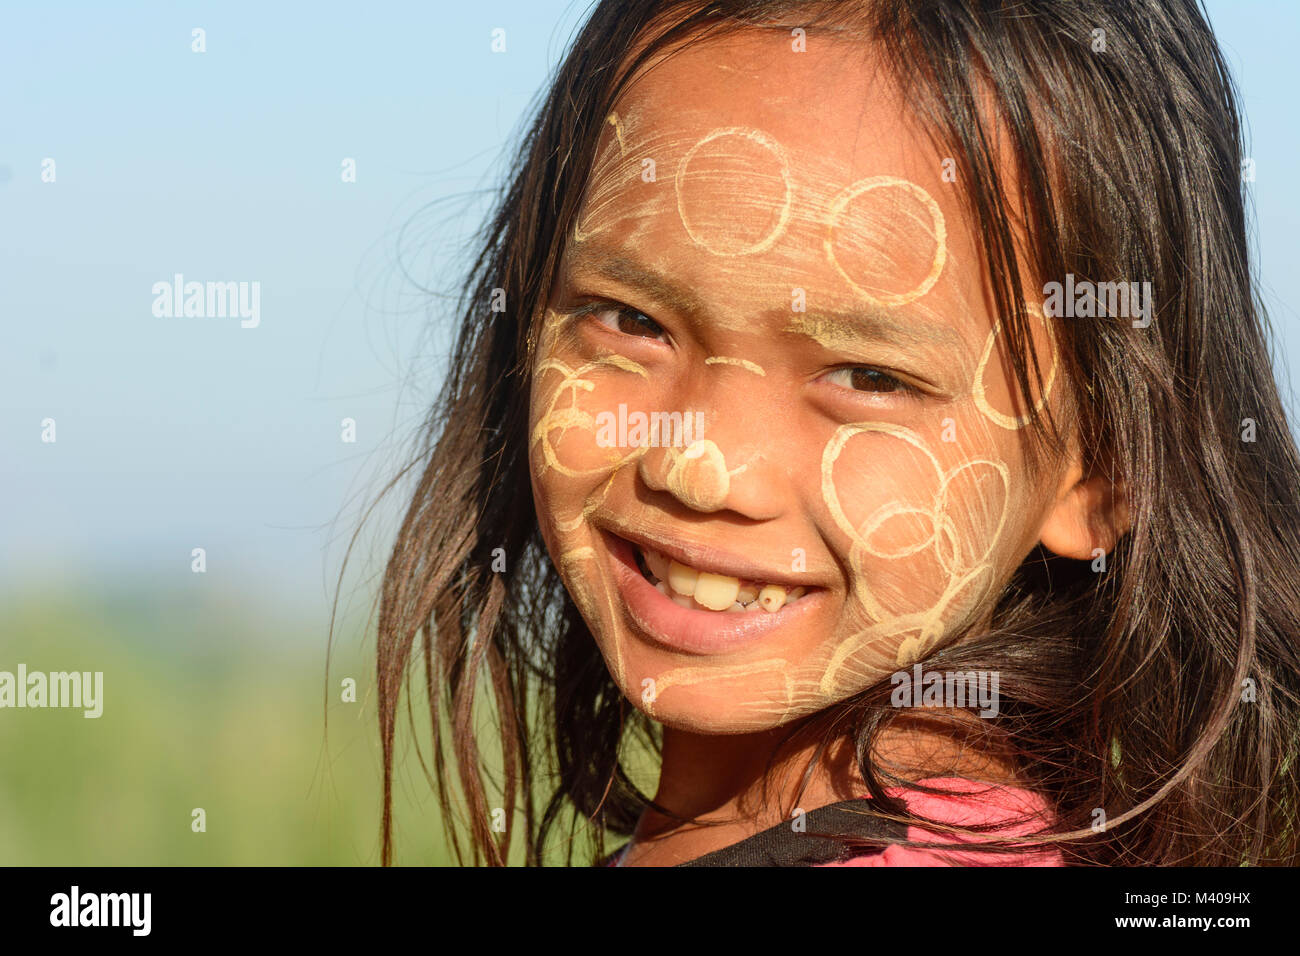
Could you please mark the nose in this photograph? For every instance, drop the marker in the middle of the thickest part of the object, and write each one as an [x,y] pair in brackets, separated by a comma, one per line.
[724,470]
[698,476]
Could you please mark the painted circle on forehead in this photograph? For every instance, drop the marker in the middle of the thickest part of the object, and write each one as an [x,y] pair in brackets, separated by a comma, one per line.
[751,170]
[881,228]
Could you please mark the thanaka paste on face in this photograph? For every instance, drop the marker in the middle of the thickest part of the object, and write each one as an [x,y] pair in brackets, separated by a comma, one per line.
[886,237]
[736,194]
[752,172]
[570,564]
[703,486]
[688,676]
[1001,419]
[738,362]
[879,213]
[698,476]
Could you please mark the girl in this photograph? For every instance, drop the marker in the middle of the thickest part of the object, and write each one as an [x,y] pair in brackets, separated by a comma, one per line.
[863,405]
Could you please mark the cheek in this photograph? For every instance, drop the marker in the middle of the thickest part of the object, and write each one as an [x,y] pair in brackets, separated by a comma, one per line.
[570,469]
[573,450]
[921,528]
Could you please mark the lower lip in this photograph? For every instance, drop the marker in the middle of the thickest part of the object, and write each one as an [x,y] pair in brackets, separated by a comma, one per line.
[696,632]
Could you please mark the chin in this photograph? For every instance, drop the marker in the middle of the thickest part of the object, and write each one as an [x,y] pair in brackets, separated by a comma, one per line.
[701,711]
[712,696]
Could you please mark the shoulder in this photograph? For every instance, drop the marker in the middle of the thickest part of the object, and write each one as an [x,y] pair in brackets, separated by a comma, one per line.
[960,802]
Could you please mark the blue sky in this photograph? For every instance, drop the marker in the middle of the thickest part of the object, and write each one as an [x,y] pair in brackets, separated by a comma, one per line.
[226,165]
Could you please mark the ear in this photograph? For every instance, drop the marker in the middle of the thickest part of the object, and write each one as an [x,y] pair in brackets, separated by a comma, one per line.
[1090,513]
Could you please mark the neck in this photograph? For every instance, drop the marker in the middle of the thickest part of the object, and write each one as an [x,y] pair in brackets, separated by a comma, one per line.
[720,789]
[729,787]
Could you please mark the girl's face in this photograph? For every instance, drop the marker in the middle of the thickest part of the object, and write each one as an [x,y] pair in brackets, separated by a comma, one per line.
[770,358]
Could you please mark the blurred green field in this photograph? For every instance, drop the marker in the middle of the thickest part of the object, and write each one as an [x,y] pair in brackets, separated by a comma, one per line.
[207,703]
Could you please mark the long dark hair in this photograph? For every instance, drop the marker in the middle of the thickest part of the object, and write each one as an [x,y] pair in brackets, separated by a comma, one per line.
[1162,692]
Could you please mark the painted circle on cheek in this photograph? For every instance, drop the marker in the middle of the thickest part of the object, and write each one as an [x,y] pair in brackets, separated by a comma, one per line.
[929,474]
[921,563]
[565,439]
[734,192]
[977,493]
[886,237]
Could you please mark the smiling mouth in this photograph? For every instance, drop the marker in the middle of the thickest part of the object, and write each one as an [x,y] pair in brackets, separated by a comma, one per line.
[708,591]
[699,611]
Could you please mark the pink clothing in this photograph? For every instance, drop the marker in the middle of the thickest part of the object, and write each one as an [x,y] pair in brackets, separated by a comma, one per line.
[979,804]
[967,803]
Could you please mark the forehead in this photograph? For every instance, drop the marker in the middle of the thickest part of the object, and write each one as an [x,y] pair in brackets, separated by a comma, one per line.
[830,101]
[739,165]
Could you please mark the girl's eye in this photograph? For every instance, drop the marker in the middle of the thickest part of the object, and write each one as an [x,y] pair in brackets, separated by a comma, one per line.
[866,379]
[627,320]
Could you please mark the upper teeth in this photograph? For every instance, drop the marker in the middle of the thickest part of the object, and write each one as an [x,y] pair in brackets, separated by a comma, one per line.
[717,592]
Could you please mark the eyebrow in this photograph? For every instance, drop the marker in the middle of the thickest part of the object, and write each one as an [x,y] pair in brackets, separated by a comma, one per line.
[634,275]
[830,328]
